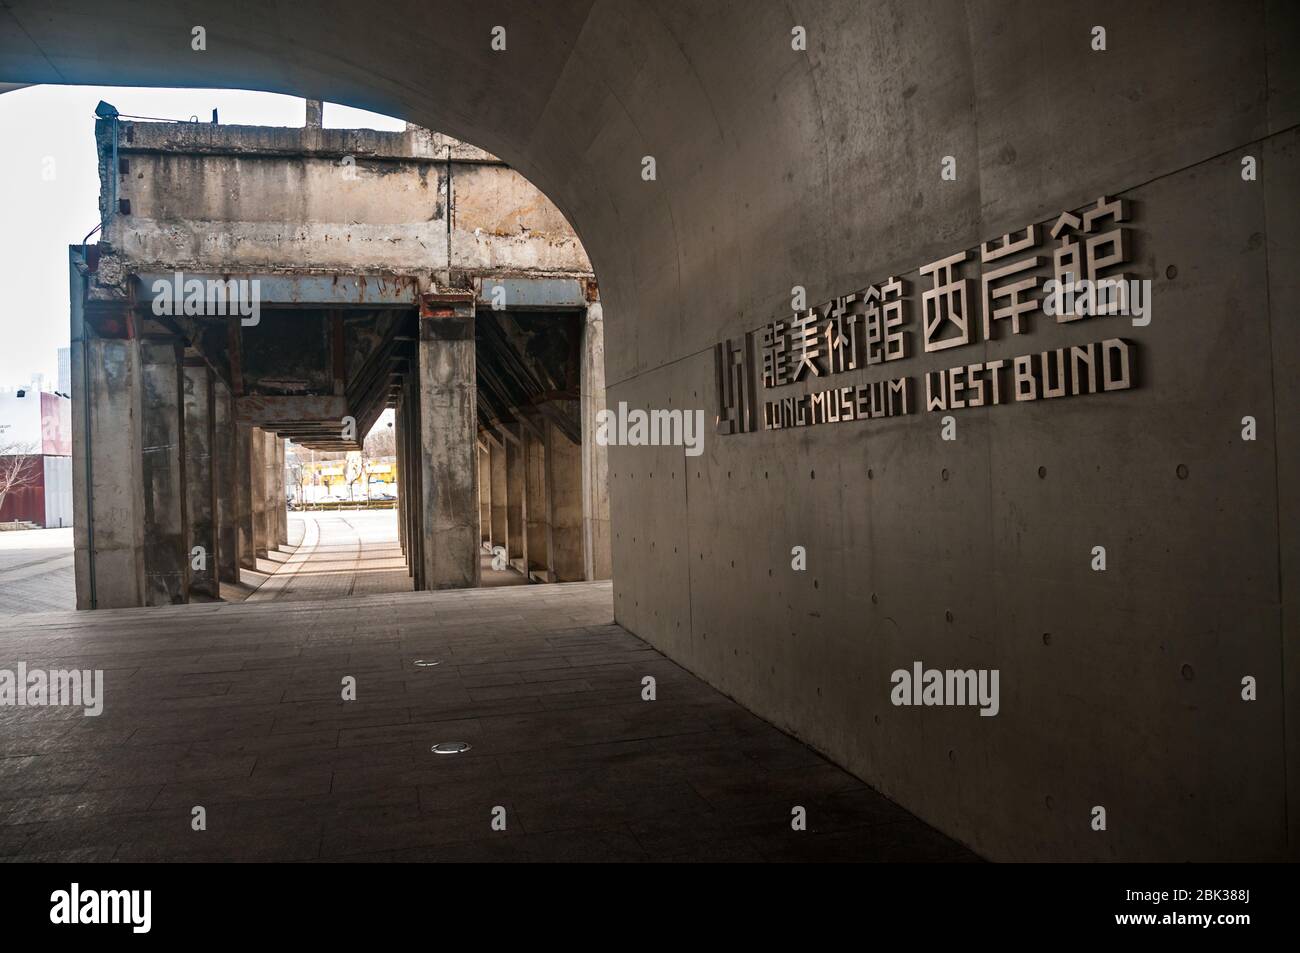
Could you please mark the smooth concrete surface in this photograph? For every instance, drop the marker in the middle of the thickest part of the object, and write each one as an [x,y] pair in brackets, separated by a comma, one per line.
[821,168]
[244,716]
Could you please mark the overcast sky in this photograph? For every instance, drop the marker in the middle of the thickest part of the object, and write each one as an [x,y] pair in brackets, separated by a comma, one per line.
[49,194]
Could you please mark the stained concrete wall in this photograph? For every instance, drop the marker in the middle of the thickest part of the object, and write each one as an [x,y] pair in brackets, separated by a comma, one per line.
[820,168]
[247,198]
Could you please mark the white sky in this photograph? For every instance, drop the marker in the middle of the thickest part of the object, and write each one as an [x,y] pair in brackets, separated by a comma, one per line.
[40,218]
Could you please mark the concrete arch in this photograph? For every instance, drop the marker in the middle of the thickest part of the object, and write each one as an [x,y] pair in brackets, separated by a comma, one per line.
[779,167]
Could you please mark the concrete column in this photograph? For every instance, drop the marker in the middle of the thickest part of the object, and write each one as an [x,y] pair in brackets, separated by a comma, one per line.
[257,491]
[484,495]
[281,503]
[539,507]
[564,472]
[497,478]
[415,532]
[399,434]
[267,528]
[108,486]
[166,555]
[245,452]
[448,438]
[598,560]
[225,450]
[516,501]
[201,480]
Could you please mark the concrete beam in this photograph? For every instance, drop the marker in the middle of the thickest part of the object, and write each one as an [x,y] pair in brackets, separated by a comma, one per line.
[269,411]
[298,290]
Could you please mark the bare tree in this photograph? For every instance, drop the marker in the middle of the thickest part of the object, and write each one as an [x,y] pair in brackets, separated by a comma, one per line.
[380,443]
[19,467]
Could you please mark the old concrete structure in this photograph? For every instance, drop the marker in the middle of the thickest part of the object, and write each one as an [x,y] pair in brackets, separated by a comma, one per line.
[309,278]
[713,166]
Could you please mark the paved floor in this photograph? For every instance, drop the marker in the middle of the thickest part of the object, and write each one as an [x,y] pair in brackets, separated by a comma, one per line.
[341,553]
[236,708]
[347,553]
[36,571]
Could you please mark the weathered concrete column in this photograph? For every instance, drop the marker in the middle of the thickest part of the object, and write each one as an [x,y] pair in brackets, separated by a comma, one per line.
[497,478]
[108,486]
[201,480]
[266,528]
[245,452]
[399,434]
[166,520]
[539,507]
[448,430]
[257,492]
[516,500]
[415,535]
[225,451]
[281,503]
[564,471]
[484,494]
[598,561]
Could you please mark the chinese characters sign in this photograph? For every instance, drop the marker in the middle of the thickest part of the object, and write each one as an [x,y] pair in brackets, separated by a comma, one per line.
[988,294]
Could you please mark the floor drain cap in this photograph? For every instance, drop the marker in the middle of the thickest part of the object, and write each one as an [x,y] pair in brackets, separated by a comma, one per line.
[426,663]
[450,747]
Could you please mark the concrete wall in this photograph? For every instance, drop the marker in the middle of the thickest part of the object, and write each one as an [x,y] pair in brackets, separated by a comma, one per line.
[821,168]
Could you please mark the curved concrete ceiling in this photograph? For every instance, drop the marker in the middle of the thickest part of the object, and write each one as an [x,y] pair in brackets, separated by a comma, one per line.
[774,166]
[821,167]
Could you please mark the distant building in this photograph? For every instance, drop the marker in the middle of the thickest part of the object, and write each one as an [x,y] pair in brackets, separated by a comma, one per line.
[65,371]
[41,423]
